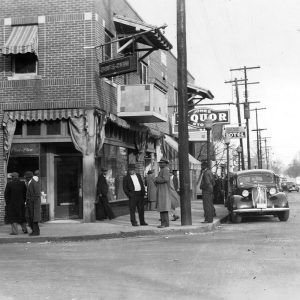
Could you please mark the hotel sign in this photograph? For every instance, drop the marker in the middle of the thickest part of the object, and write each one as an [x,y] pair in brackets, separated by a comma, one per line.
[235,132]
[118,66]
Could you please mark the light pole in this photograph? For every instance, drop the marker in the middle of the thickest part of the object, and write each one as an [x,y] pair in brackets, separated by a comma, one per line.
[227,143]
[239,151]
[208,123]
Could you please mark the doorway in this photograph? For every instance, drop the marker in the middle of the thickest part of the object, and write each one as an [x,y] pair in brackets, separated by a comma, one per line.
[67,187]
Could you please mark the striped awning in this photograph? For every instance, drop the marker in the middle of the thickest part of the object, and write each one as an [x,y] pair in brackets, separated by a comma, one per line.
[42,114]
[23,39]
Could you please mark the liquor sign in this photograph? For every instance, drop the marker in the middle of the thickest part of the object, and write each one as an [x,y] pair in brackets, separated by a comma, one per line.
[118,66]
[196,118]
[235,132]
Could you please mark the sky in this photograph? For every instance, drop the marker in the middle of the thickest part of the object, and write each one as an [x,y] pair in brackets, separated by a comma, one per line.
[227,34]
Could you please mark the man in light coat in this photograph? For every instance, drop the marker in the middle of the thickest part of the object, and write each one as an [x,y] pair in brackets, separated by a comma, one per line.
[163,192]
[151,190]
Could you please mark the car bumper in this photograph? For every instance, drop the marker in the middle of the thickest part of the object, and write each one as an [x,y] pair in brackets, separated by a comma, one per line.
[260,210]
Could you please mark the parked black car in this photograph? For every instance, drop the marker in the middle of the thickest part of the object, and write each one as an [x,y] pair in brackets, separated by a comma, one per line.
[256,192]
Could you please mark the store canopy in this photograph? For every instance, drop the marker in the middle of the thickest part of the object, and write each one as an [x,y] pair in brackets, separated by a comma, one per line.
[23,39]
[194,90]
[134,31]
[42,114]
[196,164]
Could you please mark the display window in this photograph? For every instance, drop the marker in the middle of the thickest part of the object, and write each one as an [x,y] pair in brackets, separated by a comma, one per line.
[115,159]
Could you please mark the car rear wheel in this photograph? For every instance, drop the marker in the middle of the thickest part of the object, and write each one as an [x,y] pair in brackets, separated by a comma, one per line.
[284,216]
[235,218]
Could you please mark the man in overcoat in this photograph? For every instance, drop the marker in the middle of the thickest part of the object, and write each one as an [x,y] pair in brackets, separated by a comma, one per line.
[207,183]
[33,203]
[103,208]
[15,197]
[134,189]
[163,192]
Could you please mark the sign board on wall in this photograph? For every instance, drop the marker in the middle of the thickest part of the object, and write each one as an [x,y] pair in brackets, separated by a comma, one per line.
[25,149]
[196,118]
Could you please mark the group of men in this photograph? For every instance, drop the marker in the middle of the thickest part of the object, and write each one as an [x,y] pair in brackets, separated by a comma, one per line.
[23,203]
[161,188]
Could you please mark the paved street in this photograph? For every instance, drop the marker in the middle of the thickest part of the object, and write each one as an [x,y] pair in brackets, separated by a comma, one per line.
[257,259]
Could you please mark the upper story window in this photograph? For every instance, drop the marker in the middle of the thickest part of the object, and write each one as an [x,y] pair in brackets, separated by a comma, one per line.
[175,100]
[163,58]
[143,73]
[22,45]
[108,53]
[25,63]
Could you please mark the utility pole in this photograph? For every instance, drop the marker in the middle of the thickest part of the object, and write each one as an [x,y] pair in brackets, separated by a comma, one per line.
[246,108]
[266,151]
[258,140]
[183,135]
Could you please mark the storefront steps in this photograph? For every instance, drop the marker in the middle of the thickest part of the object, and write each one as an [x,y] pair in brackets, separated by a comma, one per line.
[120,227]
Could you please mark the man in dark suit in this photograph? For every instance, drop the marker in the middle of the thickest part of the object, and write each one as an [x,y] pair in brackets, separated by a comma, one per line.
[15,197]
[33,203]
[102,205]
[134,189]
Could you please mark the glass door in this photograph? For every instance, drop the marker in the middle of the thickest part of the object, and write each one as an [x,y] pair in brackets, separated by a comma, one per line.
[67,187]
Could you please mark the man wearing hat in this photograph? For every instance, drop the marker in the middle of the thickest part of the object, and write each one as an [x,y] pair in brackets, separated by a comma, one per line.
[163,192]
[207,183]
[151,189]
[102,204]
[33,203]
[134,189]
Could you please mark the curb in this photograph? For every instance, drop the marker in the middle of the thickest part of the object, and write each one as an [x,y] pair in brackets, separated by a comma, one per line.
[115,235]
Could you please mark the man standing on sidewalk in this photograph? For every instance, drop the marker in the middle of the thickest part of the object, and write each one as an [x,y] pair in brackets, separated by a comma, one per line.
[15,196]
[207,183]
[134,189]
[33,203]
[163,192]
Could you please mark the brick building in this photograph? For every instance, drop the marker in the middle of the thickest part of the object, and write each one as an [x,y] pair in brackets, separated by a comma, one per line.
[63,118]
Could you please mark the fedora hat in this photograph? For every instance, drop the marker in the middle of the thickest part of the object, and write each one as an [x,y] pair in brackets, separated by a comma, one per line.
[163,160]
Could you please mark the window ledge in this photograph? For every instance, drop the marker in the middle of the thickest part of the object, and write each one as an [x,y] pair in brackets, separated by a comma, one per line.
[24,77]
[110,82]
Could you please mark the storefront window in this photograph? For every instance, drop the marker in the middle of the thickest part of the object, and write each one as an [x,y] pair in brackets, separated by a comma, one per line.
[34,128]
[115,159]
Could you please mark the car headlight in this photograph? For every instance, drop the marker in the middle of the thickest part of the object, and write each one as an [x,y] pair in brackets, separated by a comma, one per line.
[245,193]
[272,191]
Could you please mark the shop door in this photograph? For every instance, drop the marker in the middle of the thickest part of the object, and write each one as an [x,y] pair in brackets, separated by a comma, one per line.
[67,187]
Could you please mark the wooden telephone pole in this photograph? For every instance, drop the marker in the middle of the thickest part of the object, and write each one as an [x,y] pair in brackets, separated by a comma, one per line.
[183,135]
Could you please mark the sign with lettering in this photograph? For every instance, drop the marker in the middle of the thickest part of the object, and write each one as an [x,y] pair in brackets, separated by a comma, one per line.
[235,132]
[196,118]
[25,149]
[118,66]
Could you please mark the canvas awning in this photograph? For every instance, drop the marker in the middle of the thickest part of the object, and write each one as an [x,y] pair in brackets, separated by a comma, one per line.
[171,143]
[42,114]
[140,32]
[23,39]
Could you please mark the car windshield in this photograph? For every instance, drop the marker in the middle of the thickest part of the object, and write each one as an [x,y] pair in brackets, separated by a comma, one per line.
[250,179]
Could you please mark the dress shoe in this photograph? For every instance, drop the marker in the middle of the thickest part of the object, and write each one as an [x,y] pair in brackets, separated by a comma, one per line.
[175,218]
[25,231]
[33,234]
[135,224]
[12,233]
[162,226]
[144,224]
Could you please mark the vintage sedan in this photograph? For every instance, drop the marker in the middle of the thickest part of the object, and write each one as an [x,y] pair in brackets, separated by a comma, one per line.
[256,192]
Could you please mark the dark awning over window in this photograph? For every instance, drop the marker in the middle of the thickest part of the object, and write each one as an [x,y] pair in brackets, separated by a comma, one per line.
[23,39]
[152,35]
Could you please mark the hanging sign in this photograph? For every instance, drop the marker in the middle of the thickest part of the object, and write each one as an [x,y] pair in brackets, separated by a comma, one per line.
[235,132]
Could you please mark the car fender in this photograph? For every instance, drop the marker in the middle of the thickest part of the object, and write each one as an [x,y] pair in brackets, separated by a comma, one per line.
[280,199]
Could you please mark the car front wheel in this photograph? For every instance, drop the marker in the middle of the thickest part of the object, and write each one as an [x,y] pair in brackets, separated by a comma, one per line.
[235,218]
[284,216]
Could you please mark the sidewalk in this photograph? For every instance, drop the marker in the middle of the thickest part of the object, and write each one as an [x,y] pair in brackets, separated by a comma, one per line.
[72,230]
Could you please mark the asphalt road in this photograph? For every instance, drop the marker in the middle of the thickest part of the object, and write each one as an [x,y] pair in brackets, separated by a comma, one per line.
[257,259]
